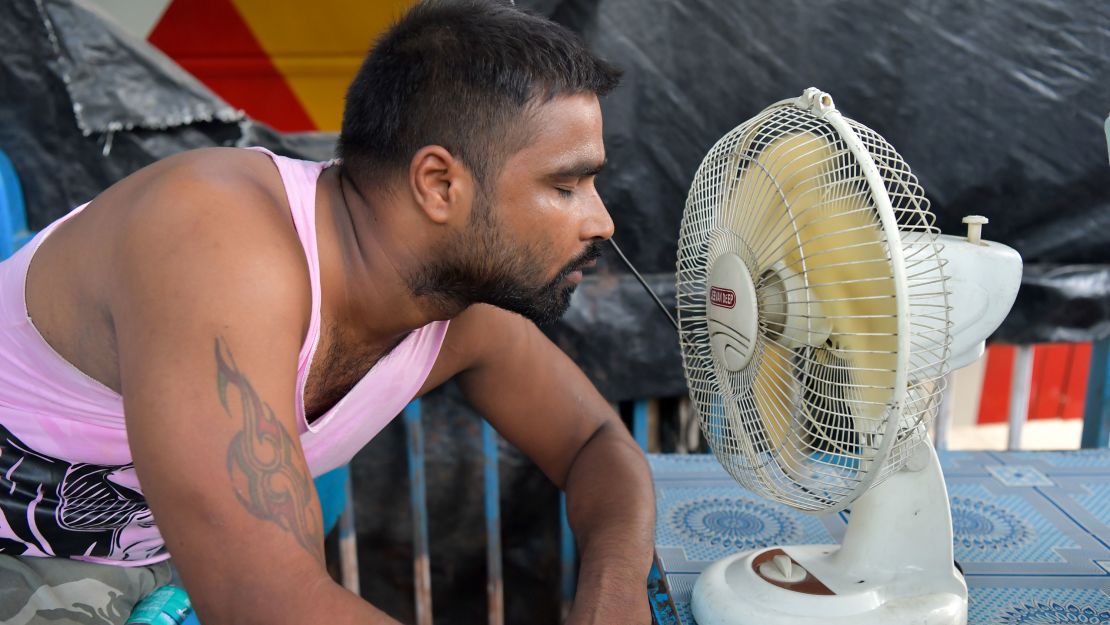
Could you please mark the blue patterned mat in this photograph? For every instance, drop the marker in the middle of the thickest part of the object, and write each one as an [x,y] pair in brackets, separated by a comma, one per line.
[1032,532]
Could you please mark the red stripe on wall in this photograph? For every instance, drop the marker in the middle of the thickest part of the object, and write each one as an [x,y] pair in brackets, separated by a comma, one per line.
[994,402]
[1059,385]
[210,40]
[1076,383]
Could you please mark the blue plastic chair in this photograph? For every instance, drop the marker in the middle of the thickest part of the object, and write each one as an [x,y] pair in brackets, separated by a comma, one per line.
[13,216]
[331,487]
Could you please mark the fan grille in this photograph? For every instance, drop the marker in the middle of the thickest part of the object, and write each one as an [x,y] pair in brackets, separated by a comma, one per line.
[819,414]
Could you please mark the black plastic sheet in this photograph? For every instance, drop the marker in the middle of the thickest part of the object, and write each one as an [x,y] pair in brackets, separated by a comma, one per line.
[83,104]
[621,339]
[996,105]
[1061,303]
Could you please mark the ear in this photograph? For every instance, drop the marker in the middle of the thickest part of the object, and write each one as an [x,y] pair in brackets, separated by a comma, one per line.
[441,185]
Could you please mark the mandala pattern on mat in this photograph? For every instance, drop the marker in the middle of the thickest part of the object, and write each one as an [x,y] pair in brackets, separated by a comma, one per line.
[1037,613]
[982,525]
[734,523]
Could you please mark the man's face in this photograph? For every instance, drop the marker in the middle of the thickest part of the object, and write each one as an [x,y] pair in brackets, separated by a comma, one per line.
[525,247]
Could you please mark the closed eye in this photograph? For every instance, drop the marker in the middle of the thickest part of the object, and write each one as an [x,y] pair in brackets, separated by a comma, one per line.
[565,192]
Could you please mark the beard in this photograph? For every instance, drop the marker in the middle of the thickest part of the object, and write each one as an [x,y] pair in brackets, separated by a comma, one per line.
[481,266]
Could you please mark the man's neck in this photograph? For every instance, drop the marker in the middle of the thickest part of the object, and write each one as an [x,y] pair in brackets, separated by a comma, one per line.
[367,249]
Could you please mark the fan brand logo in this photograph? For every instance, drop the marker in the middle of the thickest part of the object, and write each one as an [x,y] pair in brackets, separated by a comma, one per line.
[725,298]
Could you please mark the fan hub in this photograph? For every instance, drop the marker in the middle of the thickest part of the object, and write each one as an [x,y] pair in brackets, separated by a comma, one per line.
[732,312]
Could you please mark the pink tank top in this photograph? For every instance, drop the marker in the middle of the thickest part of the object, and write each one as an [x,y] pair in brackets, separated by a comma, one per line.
[67,483]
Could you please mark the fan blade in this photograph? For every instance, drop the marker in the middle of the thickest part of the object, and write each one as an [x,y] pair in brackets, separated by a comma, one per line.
[848,271]
[803,202]
[827,414]
[772,389]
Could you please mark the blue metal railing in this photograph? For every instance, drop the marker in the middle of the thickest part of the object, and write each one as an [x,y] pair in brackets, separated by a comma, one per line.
[414,437]
[1096,412]
[495,586]
[421,566]
[568,577]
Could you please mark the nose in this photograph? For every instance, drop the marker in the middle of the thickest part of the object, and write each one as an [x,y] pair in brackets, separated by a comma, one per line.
[598,224]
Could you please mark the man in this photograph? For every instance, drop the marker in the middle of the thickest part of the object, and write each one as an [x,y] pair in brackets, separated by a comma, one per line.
[180,355]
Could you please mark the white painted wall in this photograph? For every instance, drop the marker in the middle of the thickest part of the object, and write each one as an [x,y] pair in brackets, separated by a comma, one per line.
[137,17]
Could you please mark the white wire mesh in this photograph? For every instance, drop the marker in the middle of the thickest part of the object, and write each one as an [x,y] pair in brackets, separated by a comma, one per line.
[812,425]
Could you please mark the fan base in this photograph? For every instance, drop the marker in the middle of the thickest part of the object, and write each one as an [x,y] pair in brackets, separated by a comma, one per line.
[731,592]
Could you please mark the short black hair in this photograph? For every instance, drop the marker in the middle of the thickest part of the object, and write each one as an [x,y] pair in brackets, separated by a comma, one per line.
[460,74]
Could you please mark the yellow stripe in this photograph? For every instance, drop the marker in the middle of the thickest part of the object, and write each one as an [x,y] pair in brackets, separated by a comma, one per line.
[318,46]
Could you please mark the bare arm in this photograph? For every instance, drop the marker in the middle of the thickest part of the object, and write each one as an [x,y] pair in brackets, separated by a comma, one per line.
[210,308]
[539,400]
[611,508]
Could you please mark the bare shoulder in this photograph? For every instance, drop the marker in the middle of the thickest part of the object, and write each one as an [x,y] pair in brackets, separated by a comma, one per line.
[204,190]
[186,235]
[483,329]
[481,334]
[214,219]
[211,184]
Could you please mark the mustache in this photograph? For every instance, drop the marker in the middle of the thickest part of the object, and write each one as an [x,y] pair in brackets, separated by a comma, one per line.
[589,255]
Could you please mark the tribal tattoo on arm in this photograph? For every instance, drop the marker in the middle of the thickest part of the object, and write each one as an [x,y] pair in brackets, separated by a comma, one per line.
[261,460]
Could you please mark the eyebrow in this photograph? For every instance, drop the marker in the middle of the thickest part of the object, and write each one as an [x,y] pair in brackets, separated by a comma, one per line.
[581,169]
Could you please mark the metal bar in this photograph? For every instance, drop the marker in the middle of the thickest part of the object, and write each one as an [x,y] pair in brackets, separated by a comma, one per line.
[640,423]
[566,558]
[688,433]
[495,588]
[1107,127]
[422,572]
[348,538]
[663,611]
[1096,412]
[1021,381]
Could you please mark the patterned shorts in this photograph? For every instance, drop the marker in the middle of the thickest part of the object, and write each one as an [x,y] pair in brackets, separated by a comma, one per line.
[58,591]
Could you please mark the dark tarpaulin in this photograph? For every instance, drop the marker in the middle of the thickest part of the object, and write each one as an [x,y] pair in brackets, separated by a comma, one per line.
[996,105]
[83,104]
[1065,303]
[618,335]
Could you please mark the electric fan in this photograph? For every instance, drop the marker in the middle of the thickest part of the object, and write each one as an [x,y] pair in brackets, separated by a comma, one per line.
[819,311]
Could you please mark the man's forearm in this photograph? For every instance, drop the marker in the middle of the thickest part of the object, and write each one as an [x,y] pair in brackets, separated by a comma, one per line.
[319,600]
[611,508]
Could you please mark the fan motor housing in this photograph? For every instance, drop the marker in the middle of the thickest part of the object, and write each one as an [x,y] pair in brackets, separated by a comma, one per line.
[732,312]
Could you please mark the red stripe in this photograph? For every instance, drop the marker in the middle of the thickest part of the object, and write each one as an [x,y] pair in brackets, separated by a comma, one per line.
[210,40]
[1059,385]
